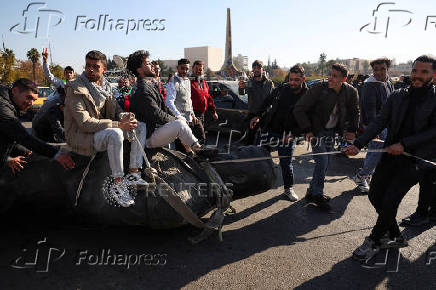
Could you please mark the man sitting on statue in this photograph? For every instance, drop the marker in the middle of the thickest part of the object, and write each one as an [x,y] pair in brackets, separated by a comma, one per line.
[91,114]
[163,127]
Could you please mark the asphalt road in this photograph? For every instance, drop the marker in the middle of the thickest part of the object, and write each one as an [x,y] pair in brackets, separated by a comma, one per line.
[269,243]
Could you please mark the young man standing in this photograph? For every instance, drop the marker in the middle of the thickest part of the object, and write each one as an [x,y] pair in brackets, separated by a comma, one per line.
[375,92]
[91,113]
[280,124]
[327,108]
[179,93]
[157,81]
[258,89]
[410,117]
[201,100]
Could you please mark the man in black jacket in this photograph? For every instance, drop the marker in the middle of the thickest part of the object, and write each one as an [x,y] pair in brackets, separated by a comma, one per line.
[16,142]
[374,94]
[410,117]
[327,109]
[280,125]
[258,88]
[48,123]
[149,108]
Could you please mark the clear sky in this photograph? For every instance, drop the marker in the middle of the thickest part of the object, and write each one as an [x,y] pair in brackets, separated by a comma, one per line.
[290,31]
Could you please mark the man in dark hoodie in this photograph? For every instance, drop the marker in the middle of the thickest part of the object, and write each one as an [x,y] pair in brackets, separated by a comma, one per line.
[280,125]
[48,123]
[410,117]
[375,92]
[16,142]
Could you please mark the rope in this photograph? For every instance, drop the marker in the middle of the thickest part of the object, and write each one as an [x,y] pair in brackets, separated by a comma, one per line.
[82,181]
[314,154]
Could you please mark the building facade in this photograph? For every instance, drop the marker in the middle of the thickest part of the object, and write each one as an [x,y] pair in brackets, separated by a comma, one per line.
[212,57]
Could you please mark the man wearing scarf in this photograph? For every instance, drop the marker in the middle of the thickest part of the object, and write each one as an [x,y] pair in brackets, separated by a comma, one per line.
[410,118]
[91,125]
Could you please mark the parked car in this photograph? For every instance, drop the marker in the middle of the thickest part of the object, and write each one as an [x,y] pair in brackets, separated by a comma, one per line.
[232,108]
[312,82]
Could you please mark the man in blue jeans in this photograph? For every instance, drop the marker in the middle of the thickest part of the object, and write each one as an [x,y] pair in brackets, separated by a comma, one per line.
[375,92]
[279,123]
[326,109]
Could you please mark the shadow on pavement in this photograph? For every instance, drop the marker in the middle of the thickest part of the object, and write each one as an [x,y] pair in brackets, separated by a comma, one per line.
[184,262]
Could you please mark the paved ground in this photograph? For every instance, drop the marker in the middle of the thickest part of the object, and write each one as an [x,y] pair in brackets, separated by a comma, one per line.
[269,243]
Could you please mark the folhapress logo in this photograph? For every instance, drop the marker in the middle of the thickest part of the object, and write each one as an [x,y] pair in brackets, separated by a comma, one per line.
[39,257]
[38,20]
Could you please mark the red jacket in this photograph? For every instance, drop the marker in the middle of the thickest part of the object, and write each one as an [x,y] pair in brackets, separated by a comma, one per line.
[162,90]
[201,99]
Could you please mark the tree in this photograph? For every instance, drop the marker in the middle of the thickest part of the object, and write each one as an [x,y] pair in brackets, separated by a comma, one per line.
[164,70]
[7,62]
[57,71]
[321,63]
[309,68]
[329,64]
[23,69]
[278,75]
[365,66]
[33,55]
[274,65]
[357,66]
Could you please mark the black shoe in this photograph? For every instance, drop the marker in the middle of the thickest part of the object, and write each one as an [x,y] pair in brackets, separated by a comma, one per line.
[309,196]
[415,220]
[397,242]
[321,201]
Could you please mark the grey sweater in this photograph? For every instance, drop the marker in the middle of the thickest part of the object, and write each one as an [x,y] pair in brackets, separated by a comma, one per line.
[257,92]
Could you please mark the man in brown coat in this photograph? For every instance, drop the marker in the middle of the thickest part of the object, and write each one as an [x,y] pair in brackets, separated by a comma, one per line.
[90,113]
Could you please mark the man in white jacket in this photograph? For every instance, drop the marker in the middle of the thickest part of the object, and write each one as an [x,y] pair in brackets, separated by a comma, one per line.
[57,83]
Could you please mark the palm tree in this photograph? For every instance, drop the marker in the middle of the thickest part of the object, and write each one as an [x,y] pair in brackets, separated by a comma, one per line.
[33,55]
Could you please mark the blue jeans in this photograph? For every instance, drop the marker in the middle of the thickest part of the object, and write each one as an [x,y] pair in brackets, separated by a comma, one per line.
[324,142]
[372,158]
[283,150]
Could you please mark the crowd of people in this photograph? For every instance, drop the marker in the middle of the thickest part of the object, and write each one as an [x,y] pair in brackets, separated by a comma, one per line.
[398,126]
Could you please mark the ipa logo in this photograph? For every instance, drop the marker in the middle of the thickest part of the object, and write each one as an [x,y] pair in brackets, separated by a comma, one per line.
[38,19]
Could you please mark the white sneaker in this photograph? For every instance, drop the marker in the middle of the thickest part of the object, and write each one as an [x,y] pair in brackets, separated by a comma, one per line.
[120,193]
[361,182]
[366,251]
[290,193]
[134,179]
